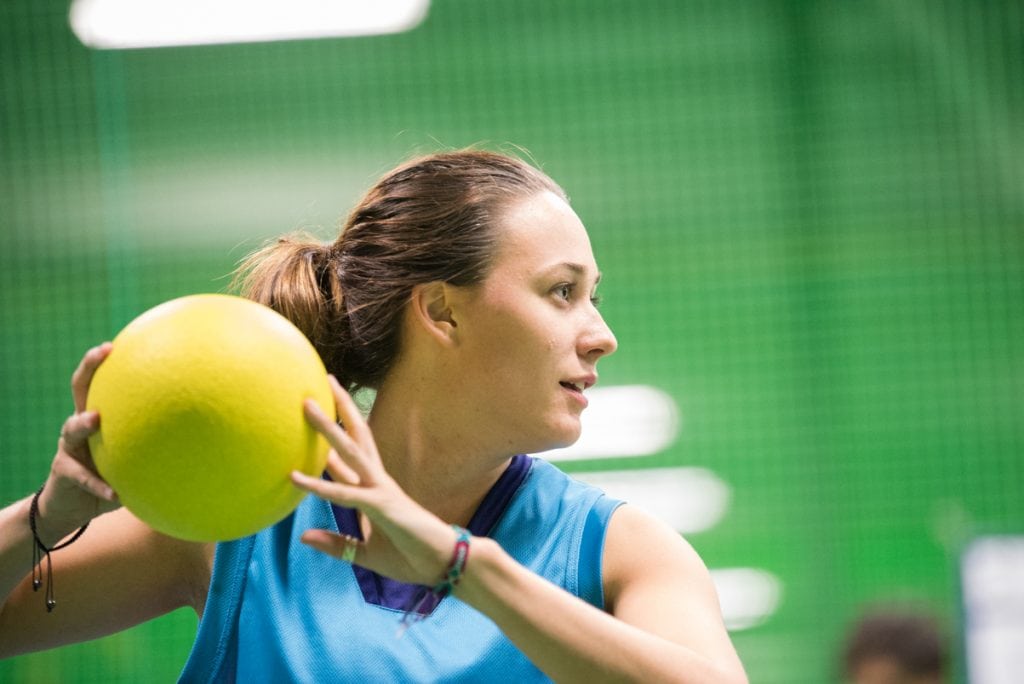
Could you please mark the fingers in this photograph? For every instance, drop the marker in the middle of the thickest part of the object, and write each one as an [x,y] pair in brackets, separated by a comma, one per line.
[327,427]
[73,460]
[348,549]
[85,478]
[77,429]
[348,495]
[353,454]
[82,376]
[349,413]
[339,471]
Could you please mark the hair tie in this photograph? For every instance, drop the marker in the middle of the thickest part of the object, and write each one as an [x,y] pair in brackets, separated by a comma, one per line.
[39,549]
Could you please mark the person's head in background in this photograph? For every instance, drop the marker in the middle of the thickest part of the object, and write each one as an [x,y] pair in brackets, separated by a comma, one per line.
[895,647]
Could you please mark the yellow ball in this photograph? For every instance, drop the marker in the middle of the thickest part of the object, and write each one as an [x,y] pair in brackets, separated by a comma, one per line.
[201,419]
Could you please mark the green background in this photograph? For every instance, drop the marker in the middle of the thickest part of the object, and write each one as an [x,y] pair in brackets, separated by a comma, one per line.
[809,216]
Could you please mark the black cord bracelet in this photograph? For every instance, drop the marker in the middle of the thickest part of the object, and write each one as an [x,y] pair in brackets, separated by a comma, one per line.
[39,549]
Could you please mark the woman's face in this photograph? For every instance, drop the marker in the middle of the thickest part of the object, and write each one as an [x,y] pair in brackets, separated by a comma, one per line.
[531,334]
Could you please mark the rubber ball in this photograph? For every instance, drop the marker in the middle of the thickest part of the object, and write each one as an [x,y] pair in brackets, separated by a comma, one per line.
[201,418]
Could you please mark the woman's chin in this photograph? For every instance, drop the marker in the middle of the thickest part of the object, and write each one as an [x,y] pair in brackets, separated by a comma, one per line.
[565,436]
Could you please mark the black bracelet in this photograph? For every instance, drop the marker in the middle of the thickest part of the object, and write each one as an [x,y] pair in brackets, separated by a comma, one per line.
[39,549]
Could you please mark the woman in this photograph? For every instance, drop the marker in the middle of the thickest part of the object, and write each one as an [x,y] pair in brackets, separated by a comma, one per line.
[462,289]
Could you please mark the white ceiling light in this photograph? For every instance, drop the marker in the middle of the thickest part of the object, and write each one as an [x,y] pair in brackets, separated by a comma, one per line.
[159,23]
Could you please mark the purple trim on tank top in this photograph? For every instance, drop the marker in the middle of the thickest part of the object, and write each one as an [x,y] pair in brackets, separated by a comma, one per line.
[388,593]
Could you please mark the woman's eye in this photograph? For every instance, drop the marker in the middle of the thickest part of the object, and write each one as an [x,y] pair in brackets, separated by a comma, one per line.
[566,291]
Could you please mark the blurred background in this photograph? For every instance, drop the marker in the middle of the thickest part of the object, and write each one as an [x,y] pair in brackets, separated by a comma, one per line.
[809,214]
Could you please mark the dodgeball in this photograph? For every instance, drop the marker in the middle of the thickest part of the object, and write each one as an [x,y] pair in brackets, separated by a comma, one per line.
[201,419]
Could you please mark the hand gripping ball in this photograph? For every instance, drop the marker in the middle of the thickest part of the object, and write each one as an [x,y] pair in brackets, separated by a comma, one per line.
[201,418]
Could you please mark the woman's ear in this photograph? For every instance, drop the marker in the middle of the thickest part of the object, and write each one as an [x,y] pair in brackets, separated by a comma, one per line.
[432,309]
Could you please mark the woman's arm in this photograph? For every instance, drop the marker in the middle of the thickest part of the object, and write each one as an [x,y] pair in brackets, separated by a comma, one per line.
[665,623]
[119,573]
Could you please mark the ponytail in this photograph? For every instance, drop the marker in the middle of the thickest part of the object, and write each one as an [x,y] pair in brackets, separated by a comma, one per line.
[432,219]
[296,276]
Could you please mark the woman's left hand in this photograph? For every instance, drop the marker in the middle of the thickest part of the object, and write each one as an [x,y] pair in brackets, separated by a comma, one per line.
[404,541]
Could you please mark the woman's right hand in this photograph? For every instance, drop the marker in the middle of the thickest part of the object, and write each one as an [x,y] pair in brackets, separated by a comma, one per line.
[74,492]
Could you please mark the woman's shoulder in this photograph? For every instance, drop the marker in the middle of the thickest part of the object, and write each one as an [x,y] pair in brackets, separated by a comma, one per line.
[551,475]
[548,481]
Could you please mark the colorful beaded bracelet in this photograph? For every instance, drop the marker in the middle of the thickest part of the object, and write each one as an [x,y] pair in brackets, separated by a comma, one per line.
[450,580]
[457,565]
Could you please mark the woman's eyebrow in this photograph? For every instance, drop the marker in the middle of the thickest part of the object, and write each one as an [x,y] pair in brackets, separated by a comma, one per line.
[577,269]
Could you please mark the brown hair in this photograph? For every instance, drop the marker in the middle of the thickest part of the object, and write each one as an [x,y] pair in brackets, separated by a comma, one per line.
[911,640]
[430,219]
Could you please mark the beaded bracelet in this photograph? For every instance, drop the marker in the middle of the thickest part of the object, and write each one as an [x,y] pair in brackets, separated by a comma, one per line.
[457,565]
[39,549]
[450,580]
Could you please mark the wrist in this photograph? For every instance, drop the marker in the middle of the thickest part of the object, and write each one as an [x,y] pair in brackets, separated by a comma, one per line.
[50,527]
[431,595]
[486,560]
[457,565]
[42,549]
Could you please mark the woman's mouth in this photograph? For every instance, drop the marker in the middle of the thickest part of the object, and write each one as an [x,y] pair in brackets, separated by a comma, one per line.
[575,389]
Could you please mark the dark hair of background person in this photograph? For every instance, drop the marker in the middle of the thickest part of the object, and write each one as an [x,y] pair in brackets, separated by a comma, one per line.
[910,640]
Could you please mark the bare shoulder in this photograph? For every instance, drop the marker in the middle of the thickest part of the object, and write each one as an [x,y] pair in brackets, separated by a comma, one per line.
[639,546]
[655,580]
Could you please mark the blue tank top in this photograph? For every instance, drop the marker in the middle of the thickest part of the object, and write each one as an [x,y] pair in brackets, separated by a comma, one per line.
[279,611]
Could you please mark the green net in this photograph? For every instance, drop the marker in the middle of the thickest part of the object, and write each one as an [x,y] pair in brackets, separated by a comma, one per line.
[810,217]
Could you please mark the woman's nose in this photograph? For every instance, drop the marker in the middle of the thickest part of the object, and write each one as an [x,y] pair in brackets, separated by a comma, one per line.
[599,340]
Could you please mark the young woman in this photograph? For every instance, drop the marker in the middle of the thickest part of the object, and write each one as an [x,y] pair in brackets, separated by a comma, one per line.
[461,289]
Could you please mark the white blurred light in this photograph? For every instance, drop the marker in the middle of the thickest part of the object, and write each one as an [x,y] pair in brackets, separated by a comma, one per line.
[991,569]
[159,23]
[688,499]
[629,420]
[749,596]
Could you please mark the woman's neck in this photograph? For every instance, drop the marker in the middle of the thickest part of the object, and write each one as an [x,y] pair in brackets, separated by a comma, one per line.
[431,457]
